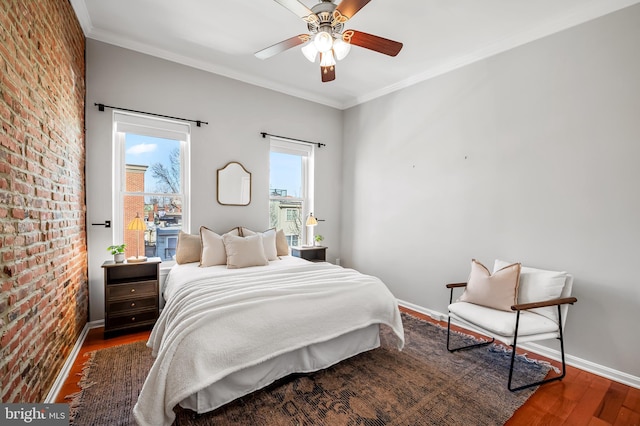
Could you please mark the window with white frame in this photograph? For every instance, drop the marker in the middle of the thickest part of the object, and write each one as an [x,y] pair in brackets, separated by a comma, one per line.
[151,180]
[290,188]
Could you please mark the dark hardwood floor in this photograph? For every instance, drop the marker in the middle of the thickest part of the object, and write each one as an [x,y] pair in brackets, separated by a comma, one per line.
[581,398]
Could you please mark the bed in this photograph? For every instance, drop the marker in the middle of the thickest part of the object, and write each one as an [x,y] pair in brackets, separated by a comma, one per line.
[225,333]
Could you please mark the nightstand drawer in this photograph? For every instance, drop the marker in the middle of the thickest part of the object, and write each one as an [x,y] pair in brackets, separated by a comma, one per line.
[139,318]
[140,288]
[120,307]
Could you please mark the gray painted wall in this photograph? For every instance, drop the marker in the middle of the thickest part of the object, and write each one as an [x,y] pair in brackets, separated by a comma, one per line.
[236,113]
[531,156]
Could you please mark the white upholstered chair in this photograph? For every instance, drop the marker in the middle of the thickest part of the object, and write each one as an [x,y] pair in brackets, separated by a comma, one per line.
[543,299]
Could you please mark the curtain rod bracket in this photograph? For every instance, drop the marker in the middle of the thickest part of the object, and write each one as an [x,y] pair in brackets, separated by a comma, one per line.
[265,134]
[101,108]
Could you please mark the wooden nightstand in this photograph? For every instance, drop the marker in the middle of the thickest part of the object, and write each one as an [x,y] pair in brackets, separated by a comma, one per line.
[313,254]
[130,295]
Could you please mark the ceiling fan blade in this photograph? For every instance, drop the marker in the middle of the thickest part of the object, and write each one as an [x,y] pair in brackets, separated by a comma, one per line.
[372,42]
[349,8]
[282,46]
[328,73]
[296,7]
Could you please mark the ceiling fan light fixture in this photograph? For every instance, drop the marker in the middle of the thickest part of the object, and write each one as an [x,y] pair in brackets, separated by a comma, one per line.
[341,49]
[327,36]
[323,41]
[310,51]
[327,59]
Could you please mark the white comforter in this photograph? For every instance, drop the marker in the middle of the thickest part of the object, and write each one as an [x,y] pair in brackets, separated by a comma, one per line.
[217,325]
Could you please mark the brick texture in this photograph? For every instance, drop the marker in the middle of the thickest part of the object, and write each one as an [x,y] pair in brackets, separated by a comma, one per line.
[43,251]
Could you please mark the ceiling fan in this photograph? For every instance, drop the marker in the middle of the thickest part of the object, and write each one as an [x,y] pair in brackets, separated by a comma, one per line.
[328,38]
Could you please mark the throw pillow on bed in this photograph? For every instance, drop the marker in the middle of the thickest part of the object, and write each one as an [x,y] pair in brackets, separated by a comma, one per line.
[497,291]
[269,241]
[188,249]
[282,246]
[213,252]
[243,252]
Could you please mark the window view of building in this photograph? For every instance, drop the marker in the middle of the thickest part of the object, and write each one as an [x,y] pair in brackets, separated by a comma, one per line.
[290,188]
[287,215]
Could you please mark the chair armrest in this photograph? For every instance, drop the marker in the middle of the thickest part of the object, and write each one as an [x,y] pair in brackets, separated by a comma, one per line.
[552,302]
[454,285]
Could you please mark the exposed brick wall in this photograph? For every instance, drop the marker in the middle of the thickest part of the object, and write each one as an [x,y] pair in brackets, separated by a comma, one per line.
[43,259]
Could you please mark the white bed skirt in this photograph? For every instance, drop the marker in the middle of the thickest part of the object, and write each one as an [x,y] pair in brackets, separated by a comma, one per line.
[304,360]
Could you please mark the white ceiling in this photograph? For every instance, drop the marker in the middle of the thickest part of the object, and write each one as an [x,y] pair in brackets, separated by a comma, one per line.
[438,36]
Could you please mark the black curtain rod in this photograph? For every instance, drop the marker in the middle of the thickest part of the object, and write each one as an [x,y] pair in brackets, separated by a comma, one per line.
[265,134]
[101,107]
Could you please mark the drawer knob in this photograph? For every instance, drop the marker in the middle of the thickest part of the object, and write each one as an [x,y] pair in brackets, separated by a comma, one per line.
[133,305]
[133,290]
[133,319]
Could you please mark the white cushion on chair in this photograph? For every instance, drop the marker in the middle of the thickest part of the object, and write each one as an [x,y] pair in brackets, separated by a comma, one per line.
[538,285]
[503,323]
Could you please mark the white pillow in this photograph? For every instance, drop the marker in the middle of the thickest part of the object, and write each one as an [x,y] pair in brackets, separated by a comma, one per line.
[244,251]
[235,231]
[268,240]
[538,285]
[213,251]
[246,232]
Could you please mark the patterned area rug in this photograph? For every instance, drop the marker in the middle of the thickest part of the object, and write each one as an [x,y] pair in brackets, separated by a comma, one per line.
[422,385]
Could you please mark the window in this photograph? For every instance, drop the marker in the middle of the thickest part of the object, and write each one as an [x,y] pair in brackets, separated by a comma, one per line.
[151,158]
[290,188]
[292,214]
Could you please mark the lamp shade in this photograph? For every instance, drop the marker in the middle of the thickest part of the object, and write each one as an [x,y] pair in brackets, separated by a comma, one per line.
[137,224]
[310,51]
[327,59]
[341,49]
[311,221]
[323,41]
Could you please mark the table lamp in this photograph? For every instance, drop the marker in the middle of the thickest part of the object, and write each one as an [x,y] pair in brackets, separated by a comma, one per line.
[311,222]
[137,224]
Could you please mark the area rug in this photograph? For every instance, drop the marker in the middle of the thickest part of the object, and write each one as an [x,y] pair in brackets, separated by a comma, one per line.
[422,385]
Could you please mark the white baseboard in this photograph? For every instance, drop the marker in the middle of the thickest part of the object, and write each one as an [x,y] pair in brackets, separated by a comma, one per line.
[66,367]
[574,361]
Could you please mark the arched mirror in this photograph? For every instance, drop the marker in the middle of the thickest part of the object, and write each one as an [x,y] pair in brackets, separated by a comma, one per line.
[234,185]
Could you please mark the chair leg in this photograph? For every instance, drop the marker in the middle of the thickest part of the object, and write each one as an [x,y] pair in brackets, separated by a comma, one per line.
[513,357]
[449,333]
[475,345]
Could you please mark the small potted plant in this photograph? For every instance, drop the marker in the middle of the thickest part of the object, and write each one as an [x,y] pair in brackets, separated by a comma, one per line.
[318,238]
[118,252]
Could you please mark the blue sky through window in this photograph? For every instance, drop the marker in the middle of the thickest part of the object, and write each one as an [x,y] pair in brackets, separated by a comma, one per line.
[286,173]
[148,150]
